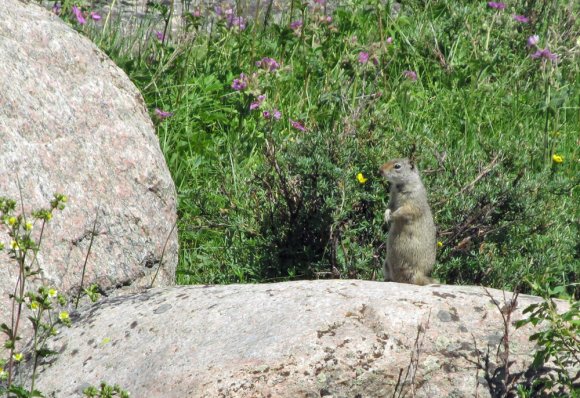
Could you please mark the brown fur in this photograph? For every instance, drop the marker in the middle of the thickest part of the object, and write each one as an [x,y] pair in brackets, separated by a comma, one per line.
[411,244]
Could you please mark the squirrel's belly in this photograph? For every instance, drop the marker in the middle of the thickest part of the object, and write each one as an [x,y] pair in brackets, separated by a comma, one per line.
[411,246]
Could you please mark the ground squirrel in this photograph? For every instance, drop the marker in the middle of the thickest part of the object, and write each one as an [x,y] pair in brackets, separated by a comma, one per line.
[411,243]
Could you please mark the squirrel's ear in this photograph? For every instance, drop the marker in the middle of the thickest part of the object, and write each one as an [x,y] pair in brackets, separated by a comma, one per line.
[412,152]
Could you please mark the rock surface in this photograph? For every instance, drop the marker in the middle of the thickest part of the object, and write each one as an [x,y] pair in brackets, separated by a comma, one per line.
[72,122]
[295,339]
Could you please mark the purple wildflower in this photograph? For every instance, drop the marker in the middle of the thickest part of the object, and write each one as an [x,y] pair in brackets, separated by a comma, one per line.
[521,18]
[297,125]
[56,8]
[321,2]
[79,15]
[232,20]
[409,74]
[544,53]
[389,40]
[95,16]
[268,63]
[240,83]
[497,5]
[237,22]
[160,36]
[296,25]
[363,57]
[162,114]
[275,114]
[256,104]
[533,40]
[196,13]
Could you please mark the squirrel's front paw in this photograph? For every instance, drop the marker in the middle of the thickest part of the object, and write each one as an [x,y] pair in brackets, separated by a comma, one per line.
[387,215]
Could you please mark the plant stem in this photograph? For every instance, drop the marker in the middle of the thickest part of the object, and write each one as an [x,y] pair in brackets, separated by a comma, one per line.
[163,253]
[87,258]
[489,32]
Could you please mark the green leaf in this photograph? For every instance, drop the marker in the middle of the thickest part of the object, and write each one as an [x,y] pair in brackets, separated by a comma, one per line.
[6,330]
[539,359]
[45,352]
[20,391]
[521,323]
[530,308]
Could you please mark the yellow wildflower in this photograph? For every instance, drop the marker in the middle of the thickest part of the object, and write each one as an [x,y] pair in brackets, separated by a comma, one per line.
[12,221]
[361,178]
[557,158]
[17,356]
[34,305]
[28,226]
[14,245]
[439,243]
[52,292]
[64,316]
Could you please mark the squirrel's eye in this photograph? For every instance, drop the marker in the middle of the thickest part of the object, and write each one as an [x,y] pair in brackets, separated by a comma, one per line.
[397,166]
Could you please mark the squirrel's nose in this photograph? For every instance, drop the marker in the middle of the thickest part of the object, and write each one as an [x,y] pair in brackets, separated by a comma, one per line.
[383,169]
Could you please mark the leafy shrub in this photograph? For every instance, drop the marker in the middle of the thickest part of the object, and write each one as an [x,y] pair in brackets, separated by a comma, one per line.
[558,345]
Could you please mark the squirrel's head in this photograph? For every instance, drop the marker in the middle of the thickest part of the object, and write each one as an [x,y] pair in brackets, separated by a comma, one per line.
[399,171]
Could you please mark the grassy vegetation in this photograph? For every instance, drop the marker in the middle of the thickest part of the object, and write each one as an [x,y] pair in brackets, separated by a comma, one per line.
[495,122]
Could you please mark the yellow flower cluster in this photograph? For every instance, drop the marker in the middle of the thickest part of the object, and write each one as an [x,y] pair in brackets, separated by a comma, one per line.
[557,158]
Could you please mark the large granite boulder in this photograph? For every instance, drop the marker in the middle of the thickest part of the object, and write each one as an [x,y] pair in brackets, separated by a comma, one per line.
[297,339]
[72,122]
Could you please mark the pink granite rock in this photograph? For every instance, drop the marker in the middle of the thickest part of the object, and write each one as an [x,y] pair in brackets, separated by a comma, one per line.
[326,338]
[72,122]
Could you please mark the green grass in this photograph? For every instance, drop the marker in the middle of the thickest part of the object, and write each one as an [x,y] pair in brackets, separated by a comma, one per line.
[262,201]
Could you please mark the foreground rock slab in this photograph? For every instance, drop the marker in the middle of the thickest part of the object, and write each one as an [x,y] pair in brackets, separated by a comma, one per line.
[72,122]
[296,339]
